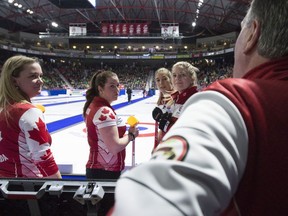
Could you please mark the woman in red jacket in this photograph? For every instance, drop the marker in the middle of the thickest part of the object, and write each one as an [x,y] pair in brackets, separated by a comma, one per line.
[163,80]
[184,80]
[24,139]
[105,130]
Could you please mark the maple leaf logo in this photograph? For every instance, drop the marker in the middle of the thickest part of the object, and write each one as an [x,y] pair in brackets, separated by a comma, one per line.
[112,116]
[102,118]
[40,135]
[47,155]
[105,111]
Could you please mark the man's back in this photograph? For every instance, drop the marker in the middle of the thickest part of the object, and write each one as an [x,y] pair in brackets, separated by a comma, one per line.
[263,107]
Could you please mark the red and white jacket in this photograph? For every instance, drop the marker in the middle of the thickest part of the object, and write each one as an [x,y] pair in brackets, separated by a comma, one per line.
[179,100]
[100,114]
[233,151]
[25,144]
[176,107]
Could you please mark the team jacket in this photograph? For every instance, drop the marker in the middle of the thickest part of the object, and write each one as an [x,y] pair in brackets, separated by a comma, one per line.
[232,149]
[25,144]
[263,103]
[179,100]
[100,114]
[176,107]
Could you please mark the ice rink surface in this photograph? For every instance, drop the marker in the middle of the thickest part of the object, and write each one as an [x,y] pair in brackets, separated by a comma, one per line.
[63,115]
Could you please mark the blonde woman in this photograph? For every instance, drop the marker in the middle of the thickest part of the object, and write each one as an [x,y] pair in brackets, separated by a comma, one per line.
[163,80]
[24,139]
[184,80]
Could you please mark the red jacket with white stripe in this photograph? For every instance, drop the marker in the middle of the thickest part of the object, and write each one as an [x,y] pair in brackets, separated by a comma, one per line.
[25,144]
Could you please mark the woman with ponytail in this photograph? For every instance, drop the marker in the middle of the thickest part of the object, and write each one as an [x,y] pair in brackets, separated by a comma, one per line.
[105,130]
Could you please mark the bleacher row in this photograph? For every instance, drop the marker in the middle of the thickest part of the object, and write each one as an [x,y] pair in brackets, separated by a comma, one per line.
[71,74]
[75,73]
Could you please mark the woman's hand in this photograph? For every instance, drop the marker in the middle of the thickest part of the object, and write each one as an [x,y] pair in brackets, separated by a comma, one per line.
[134,131]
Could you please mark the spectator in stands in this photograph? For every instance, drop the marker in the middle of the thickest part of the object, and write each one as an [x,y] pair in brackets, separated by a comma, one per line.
[129,94]
[24,139]
[163,80]
[105,131]
[228,150]
[184,80]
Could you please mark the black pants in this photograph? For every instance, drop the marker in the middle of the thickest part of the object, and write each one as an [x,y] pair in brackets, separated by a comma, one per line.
[108,200]
[101,174]
[129,97]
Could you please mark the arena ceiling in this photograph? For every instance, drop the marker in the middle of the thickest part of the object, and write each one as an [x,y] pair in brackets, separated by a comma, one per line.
[215,16]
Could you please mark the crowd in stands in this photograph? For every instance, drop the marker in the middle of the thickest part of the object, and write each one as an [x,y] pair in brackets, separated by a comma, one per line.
[129,75]
[211,73]
[71,75]
[76,74]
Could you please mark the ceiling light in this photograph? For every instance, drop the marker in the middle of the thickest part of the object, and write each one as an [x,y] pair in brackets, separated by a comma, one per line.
[54,24]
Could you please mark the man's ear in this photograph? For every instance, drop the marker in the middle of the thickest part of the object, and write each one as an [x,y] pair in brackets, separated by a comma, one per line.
[253,36]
